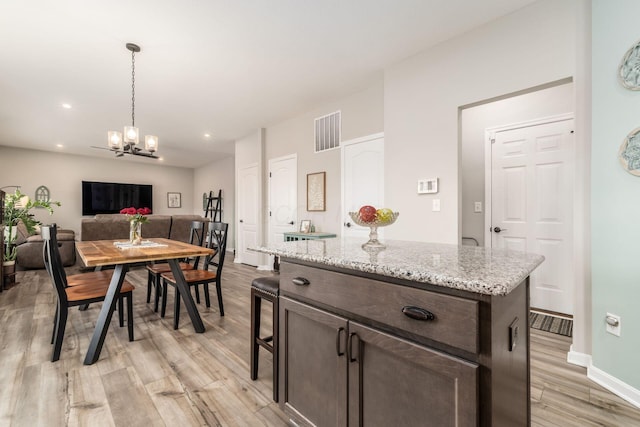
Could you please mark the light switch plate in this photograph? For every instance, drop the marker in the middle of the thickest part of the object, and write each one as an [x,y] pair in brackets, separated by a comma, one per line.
[477,207]
[436,205]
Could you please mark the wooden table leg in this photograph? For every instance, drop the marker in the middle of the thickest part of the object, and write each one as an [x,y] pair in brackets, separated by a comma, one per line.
[104,318]
[183,288]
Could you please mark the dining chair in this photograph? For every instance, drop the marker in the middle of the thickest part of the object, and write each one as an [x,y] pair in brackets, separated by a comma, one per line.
[154,271]
[87,288]
[217,240]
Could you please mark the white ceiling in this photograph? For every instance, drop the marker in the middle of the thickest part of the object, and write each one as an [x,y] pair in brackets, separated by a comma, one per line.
[224,67]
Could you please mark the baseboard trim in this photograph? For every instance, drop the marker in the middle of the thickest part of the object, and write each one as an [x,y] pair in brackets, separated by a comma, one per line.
[577,358]
[265,267]
[614,385]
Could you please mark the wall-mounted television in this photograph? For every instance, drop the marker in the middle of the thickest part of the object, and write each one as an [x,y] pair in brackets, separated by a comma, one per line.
[111,197]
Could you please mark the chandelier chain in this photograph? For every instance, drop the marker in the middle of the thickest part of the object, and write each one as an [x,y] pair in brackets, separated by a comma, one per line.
[133,88]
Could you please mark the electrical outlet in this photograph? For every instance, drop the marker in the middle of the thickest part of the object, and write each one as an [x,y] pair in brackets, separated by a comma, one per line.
[613,324]
[436,205]
[477,207]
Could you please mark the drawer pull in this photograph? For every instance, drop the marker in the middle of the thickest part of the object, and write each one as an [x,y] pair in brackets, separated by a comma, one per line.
[300,281]
[338,341]
[353,355]
[417,313]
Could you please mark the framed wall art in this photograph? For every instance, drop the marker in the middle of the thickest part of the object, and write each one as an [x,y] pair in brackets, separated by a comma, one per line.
[174,200]
[316,193]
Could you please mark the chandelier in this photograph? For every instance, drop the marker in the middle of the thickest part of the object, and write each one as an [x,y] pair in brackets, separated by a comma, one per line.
[127,142]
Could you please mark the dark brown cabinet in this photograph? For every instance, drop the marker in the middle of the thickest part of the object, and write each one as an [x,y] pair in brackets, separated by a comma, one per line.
[395,382]
[339,372]
[350,356]
[314,389]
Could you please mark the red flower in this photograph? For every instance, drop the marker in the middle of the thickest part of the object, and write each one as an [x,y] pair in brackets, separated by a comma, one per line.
[133,211]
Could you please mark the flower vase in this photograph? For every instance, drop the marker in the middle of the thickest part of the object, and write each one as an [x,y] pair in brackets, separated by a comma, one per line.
[135,233]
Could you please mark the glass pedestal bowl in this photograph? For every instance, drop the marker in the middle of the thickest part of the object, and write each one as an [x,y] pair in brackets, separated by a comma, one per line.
[373,226]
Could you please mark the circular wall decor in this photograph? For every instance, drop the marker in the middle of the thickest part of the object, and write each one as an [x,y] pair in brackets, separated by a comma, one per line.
[629,153]
[629,70]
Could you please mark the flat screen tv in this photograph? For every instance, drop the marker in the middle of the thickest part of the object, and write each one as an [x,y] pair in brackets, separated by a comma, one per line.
[111,197]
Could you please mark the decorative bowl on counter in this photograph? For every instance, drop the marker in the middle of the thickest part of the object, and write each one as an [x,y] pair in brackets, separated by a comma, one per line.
[373,225]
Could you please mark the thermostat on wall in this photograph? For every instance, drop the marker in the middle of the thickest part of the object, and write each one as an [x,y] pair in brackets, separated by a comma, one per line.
[427,186]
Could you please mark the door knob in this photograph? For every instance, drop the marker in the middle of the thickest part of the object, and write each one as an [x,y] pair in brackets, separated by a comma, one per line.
[498,229]
[241,221]
[291,222]
[347,224]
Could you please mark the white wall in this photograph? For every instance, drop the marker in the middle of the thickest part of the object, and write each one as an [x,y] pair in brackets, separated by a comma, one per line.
[213,177]
[362,114]
[542,103]
[63,174]
[530,47]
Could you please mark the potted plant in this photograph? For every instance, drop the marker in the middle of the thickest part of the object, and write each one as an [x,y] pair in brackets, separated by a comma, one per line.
[17,207]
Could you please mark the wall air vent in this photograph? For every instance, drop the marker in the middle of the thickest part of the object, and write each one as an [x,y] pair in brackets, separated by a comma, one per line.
[327,132]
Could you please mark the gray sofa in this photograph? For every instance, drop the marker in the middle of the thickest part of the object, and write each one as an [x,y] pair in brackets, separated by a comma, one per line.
[29,248]
[116,226]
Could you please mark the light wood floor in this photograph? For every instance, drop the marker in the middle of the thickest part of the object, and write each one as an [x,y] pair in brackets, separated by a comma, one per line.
[179,378]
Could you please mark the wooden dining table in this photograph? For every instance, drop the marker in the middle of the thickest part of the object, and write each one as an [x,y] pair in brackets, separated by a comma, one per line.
[99,253]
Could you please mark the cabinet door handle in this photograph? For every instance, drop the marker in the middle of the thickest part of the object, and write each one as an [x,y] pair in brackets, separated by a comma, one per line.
[353,356]
[339,341]
[300,281]
[417,313]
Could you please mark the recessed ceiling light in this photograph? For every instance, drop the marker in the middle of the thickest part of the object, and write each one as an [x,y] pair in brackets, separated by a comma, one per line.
[59,145]
[207,135]
[161,158]
[66,106]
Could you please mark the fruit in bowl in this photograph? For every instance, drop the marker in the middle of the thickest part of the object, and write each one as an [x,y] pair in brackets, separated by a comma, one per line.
[384,215]
[367,213]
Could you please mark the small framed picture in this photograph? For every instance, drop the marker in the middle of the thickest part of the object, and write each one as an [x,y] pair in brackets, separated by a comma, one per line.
[305,226]
[174,200]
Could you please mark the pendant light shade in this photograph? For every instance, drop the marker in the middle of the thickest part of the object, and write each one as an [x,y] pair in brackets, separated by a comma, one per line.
[114,140]
[131,135]
[150,143]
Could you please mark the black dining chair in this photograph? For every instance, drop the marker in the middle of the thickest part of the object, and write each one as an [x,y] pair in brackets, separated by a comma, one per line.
[217,240]
[154,271]
[88,288]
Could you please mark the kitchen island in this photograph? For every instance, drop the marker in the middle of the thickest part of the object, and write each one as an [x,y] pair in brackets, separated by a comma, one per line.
[414,334]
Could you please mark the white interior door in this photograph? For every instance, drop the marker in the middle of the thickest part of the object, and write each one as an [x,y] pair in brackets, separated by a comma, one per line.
[248,214]
[362,181]
[283,197]
[532,205]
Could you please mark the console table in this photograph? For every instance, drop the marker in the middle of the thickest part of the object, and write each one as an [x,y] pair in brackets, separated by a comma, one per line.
[290,237]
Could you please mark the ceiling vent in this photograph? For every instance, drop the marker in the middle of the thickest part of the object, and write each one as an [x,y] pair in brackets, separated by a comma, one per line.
[327,132]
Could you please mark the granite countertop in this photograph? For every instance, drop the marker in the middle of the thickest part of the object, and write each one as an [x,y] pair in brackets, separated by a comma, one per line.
[469,268]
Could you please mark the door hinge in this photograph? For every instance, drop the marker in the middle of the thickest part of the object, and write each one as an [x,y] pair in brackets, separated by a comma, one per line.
[269,213]
[269,174]
[493,140]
